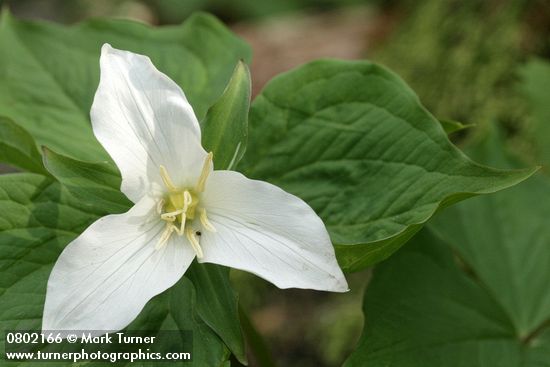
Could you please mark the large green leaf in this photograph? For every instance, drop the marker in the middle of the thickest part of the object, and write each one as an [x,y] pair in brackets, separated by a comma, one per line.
[51,72]
[39,218]
[489,305]
[352,140]
[225,127]
[424,309]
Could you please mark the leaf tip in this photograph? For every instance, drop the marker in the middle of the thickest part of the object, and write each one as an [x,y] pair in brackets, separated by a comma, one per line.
[47,155]
[45,150]
[241,68]
[521,175]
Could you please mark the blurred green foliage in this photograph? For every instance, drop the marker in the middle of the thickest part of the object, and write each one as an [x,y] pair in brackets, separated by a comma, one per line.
[461,57]
[169,11]
[535,88]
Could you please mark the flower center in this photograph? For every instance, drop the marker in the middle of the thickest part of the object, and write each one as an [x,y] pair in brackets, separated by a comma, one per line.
[181,206]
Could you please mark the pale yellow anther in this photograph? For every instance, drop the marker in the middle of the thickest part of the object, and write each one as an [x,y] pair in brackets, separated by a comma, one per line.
[205,222]
[167,180]
[164,237]
[160,205]
[201,183]
[182,225]
[190,234]
[187,199]
[172,215]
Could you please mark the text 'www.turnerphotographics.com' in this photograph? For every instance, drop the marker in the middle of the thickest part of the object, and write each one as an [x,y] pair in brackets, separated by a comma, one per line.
[76,346]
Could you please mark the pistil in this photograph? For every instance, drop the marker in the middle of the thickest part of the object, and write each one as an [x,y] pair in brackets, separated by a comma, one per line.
[179,207]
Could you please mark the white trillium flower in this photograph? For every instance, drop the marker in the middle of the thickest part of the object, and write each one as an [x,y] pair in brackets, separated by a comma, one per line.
[183,209]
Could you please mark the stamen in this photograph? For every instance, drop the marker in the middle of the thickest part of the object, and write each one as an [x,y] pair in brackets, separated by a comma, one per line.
[205,222]
[160,205]
[190,234]
[182,226]
[204,173]
[187,199]
[164,237]
[181,205]
[172,215]
[167,180]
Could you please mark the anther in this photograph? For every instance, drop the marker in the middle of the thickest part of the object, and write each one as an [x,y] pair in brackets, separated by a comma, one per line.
[190,234]
[164,237]
[172,215]
[160,205]
[167,180]
[182,225]
[187,199]
[205,222]
[201,183]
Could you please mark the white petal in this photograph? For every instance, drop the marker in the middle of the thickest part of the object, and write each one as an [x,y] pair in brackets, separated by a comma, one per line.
[271,233]
[143,120]
[104,278]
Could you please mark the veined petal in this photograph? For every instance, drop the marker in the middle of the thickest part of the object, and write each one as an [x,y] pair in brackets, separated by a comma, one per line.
[143,120]
[104,278]
[269,232]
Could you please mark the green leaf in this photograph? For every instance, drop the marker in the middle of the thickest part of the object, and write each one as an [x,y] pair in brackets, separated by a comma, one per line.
[39,218]
[17,147]
[451,126]
[535,81]
[96,184]
[506,240]
[217,304]
[423,308]
[51,72]
[472,292]
[225,128]
[177,309]
[353,141]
